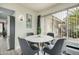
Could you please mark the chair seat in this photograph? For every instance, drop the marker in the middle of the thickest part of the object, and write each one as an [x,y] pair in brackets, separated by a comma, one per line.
[34,47]
[32,44]
[57,48]
[25,47]
[50,46]
[49,34]
[50,51]
[32,52]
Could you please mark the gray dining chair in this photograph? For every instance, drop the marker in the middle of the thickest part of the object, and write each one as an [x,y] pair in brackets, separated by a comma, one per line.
[29,34]
[57,49]
[52,35]
[32,44]
[25,47]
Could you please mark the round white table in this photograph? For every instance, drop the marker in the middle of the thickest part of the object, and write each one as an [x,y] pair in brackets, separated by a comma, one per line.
[38,39]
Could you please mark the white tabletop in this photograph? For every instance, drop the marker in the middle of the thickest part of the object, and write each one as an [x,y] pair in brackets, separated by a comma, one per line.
[38,38]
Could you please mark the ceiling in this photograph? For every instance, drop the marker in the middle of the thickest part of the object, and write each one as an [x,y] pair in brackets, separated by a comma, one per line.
[5,12]
[38,6]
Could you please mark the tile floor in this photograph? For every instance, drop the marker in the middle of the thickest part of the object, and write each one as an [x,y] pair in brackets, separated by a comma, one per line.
[3,48]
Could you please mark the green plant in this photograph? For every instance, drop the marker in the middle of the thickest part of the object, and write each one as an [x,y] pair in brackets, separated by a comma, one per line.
[38,30]
[74,23]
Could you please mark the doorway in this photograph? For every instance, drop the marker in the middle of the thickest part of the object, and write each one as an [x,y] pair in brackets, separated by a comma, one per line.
[7,29]
[3,31]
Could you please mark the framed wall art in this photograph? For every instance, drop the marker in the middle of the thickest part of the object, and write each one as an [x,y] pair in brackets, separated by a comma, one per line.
[28,21]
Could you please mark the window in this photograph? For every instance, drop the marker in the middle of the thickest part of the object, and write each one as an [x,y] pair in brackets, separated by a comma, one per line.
[73,22]
[65,23]
[59,27]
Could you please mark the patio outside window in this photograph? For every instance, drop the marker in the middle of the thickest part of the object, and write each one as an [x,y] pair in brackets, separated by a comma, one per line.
[64,23]
[73,22]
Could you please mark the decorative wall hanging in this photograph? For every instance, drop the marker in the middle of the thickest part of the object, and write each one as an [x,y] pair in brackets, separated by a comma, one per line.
[28,21]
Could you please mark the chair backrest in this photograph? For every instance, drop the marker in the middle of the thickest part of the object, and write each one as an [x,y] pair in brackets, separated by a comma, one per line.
[25,48]
[29,34]
[57,49]
[50,34]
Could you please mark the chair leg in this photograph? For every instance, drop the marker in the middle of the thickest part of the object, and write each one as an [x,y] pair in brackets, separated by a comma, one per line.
[44,53]
[37,53]
[21,53]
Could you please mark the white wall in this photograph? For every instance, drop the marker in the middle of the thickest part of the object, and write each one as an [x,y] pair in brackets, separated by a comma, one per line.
[20,26]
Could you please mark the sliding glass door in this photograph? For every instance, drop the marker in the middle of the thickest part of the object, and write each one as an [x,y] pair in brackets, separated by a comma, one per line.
[60,24]
[73,23]
[64,23]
